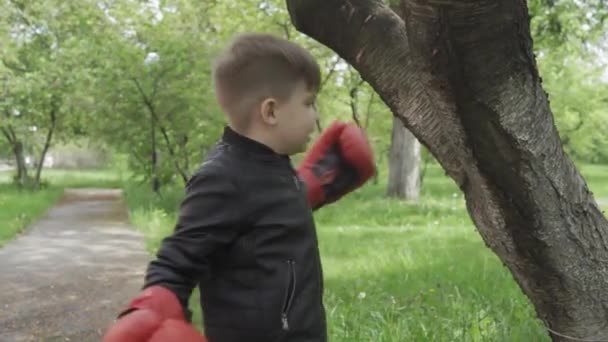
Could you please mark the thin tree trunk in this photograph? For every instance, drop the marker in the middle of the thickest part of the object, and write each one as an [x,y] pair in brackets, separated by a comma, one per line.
[424,167]
[404,164]
[22,174]
[22,178]
[369,110]
[154,156]
[173,155]
[462,76]
[182,153]
[47,145]
[376,178]
[150,106]
[354,103]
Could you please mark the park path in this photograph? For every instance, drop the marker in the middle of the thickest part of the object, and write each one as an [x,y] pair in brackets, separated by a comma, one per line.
[69,275]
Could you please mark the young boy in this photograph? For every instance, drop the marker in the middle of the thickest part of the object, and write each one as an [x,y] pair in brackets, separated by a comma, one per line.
[245,234]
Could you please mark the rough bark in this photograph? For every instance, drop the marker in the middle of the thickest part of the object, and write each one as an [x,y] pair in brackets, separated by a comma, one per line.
[404,164]
[462,77]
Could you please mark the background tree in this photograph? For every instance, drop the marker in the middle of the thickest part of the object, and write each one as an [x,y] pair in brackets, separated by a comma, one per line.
[42,44]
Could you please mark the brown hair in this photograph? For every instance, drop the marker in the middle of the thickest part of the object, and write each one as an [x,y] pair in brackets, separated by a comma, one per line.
[258,65]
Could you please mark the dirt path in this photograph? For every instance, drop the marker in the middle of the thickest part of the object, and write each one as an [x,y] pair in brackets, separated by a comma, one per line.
[66,279]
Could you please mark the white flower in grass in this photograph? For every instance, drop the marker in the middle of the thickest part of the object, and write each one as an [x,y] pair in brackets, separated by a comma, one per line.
[361,295]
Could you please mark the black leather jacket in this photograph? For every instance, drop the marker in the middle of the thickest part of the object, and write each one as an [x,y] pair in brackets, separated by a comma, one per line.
[246,236]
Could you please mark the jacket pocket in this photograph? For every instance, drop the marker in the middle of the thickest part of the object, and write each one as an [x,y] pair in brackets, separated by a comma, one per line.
[290,289]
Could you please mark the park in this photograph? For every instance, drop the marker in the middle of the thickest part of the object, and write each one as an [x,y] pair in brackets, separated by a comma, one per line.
[485,219]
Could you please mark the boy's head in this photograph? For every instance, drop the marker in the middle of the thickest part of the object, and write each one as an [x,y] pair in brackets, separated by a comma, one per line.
[267,87]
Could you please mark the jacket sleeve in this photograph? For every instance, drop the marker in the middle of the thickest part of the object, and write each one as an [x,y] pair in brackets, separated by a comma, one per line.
[207,221]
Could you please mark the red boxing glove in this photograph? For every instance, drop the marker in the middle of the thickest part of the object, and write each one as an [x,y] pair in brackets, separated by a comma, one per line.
[154,316]
[338,163]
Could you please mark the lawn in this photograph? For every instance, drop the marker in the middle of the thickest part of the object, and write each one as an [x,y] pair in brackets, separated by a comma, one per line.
[19,208]
[400,272]
[394,271]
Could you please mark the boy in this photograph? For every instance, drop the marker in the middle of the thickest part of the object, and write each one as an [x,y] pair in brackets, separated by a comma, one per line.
[245,234]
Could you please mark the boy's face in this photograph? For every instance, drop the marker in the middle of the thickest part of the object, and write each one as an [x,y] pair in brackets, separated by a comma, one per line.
[295,120]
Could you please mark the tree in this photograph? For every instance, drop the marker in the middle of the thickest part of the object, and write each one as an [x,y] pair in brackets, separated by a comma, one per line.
[404,163]
[153,99]
[463,79]
[404,174]
[40,71]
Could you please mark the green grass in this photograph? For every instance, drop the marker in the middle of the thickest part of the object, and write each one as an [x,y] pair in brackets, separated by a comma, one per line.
[398,271]
[19,208]
[394,271]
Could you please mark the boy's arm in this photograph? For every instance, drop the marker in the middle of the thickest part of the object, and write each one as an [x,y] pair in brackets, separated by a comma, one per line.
[339,162]
[207,221]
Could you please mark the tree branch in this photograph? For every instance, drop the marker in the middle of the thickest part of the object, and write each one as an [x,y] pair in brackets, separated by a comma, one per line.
[13,66]
[369,109]
[7,135]
[172,153]
[362,32]
[353,101]
[329,74]
[152,110]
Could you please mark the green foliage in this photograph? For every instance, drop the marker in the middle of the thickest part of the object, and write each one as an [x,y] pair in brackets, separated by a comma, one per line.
[153,92]
[564,22]
[578,99]
[136,75]
[42,66]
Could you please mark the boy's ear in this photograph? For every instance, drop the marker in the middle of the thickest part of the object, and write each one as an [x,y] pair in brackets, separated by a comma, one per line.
[268,111]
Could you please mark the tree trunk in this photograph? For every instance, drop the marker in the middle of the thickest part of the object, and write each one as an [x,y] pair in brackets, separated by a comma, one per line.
[463,78]
[22,178]
[173,154]
[154,157]
[404,164]
[47,145]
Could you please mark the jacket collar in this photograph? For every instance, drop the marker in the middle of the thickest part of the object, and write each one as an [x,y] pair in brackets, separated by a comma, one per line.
[250,146]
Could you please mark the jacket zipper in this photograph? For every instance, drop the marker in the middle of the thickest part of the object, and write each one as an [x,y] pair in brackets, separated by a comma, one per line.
[289,293]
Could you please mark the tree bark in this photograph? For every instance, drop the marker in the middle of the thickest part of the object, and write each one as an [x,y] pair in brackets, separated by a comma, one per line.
[462,76]
[404,164]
